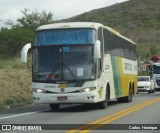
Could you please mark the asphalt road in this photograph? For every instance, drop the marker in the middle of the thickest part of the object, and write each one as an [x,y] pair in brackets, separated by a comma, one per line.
[122,117]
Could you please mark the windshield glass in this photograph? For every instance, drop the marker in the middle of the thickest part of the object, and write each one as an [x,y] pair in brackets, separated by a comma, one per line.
[65,36]
[156,69]
[59,63]
[143,78]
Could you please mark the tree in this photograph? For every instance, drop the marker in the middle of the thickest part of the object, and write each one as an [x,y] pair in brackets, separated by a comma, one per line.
[16,34]
[34,19]
[12,40]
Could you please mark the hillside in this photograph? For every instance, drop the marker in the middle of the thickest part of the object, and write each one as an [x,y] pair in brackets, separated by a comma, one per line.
[139,20]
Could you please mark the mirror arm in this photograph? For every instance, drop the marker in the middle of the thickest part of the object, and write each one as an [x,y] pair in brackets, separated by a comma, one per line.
[24,52]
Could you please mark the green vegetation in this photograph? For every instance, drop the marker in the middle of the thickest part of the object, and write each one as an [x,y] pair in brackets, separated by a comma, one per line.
[15,77]
[15,35]
[15,82]
[138,20]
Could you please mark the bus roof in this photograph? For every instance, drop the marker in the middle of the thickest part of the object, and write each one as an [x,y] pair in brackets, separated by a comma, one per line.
[70,25]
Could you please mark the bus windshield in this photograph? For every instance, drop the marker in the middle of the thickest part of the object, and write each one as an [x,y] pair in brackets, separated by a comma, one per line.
[63,63]
[156,69]
[65,36]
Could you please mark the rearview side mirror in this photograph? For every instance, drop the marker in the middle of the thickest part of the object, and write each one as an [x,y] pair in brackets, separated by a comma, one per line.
[24,52]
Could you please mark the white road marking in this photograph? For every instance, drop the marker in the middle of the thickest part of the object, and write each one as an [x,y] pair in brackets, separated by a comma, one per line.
[22,114]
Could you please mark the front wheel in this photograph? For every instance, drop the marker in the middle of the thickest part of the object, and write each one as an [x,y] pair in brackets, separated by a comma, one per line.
[103,104]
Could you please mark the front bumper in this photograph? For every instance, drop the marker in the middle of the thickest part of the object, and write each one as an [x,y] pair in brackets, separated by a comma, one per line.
[84,97]
[144,89]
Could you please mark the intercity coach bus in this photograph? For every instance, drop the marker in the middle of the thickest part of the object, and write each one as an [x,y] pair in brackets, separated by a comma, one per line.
[81,62]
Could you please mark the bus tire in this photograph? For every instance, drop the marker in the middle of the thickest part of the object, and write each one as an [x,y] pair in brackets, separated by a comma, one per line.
[104,104]
[128,98]
[54,106]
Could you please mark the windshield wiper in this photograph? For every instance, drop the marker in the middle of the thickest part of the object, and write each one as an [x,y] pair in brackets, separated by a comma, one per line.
[74,76]
[52,72]
[57,67]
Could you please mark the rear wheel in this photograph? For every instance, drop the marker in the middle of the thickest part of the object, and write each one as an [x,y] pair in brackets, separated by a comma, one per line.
[130,96]
[54,106]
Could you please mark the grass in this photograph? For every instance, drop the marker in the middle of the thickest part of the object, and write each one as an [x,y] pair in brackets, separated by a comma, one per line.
[15,83]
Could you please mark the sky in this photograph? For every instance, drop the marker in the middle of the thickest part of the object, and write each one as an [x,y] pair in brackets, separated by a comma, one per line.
[61,9]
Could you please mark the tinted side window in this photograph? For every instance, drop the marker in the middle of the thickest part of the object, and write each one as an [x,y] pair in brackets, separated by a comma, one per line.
[118,46]
[107,41]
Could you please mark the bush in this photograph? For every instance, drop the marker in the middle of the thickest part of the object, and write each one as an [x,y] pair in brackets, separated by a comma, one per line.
[12,40]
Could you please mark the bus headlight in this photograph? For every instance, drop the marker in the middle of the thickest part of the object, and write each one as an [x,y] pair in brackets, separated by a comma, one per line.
[88,89]
[38,90]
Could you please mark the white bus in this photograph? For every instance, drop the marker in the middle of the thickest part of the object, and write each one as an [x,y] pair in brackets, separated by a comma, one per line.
[81,62]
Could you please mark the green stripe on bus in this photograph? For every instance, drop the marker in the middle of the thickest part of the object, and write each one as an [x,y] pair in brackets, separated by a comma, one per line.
[116,76]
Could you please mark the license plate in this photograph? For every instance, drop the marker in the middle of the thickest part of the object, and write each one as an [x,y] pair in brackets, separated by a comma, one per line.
[62,98]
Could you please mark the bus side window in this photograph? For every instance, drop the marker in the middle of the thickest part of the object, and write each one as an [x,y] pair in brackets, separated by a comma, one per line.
[106,36]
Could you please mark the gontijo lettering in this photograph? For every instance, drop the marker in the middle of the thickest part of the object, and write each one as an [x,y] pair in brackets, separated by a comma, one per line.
[127,66]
